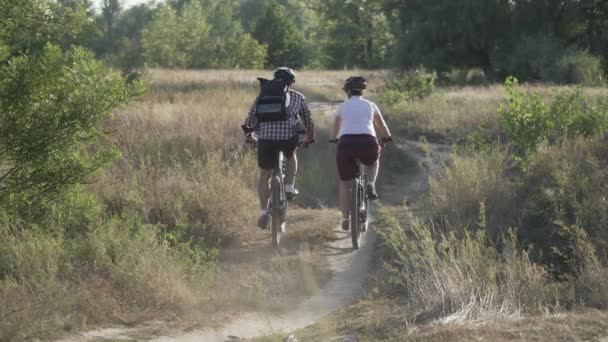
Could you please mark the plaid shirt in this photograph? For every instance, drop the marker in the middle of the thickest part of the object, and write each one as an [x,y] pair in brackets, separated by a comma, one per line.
[299,118]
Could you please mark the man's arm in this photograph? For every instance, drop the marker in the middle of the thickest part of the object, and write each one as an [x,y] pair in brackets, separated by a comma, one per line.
[379,122]
[252,120]
[307,121]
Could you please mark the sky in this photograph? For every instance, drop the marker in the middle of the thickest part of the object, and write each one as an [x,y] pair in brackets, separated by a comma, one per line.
[125,3]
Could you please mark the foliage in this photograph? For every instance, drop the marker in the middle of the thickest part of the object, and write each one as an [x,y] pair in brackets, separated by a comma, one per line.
[463,77]
[51,110]
[562,199]
[546,58]
[192,38]
[357,34]
[577,67]
[282,37]
[529,121]
[408,85]
[27,25]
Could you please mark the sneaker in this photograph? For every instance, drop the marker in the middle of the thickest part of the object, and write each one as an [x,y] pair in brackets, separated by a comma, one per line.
[263,221]
[345,225]
[291,195]
[371,192]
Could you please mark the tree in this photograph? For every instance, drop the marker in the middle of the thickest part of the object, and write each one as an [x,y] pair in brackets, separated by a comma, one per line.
[159,38]
[358,33]
[27,25]
[110,9]
[53,101]
[285,42]
[444,33]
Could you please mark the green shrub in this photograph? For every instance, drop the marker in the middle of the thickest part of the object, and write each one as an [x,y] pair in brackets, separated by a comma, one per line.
[408,85]
[545,58]
[562,196]
[463,77]
[534,58]
[577,67]
[528,120]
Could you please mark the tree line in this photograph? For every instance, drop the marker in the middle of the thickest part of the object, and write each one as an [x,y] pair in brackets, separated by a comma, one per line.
[547,40]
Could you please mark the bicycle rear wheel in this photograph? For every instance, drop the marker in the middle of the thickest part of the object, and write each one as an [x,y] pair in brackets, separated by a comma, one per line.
[355,218]
[277,211]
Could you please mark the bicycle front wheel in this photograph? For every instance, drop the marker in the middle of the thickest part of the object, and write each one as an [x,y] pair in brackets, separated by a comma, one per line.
[355,219]
[276,213]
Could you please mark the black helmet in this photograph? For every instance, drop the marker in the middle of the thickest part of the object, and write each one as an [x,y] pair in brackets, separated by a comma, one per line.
[286,74]
[355,83]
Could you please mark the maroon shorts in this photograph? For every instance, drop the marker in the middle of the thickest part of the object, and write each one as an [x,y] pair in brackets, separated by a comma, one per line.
[351,147]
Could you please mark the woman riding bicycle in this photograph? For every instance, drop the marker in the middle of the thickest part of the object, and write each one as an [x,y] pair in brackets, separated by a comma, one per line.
[355,125]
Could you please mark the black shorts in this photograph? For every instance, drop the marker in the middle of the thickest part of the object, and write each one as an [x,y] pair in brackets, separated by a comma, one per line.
[268,151]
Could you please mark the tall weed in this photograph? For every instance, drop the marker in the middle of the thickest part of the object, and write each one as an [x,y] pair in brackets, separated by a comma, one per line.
[469,183]
[462,278]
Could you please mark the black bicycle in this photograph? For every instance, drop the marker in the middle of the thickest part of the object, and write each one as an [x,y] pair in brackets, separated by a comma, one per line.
[278,199]
[359,205]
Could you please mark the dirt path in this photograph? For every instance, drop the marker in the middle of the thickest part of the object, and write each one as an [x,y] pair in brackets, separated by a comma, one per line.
[350,270]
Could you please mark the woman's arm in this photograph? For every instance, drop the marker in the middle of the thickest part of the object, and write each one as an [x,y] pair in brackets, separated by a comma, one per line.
[380,124]
[336,128]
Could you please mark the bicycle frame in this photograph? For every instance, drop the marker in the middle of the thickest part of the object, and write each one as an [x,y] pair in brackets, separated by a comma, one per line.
[359,205]
[278,201]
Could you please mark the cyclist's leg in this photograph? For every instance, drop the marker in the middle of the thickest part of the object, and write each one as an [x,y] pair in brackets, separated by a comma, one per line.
[347,170]
[369,154]
[268,152]
[345,188]
[291,163]
[264,188]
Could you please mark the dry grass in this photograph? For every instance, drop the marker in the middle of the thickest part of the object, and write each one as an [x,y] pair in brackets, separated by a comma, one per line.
[470,184]
[384,320]
[450,114]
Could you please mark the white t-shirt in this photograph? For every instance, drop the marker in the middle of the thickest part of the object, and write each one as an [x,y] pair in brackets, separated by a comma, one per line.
[357,116]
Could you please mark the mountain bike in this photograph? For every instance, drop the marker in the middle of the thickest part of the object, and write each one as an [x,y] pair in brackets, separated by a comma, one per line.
[278,199]
[359,200]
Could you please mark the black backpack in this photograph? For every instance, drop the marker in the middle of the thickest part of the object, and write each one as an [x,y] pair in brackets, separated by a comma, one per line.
[272,101]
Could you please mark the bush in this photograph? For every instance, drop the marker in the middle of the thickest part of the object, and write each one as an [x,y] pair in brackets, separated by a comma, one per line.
[408,85]
[577,67]
[562,198]
[52,107]
[463,77]
[534,58]
[545,58]
[528,120]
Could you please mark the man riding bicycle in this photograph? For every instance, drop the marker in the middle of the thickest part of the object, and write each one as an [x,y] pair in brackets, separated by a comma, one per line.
[355,125]
[273,137]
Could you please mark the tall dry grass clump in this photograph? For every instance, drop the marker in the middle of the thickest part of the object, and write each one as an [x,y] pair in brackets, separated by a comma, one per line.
[465,278]
[472,184]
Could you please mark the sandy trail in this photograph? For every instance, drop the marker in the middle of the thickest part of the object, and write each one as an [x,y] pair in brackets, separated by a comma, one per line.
[347,284]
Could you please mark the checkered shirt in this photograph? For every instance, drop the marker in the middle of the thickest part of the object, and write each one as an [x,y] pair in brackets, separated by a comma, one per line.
[299,118]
